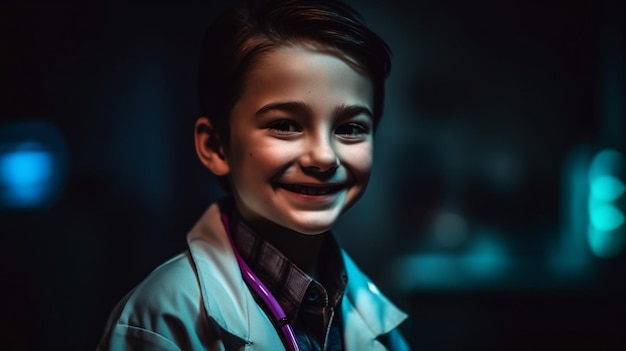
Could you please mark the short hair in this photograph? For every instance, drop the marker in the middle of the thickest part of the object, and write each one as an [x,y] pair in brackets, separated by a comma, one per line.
[241,34]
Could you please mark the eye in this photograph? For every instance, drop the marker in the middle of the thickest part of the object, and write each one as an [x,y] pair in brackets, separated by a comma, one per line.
[284,126]
[352,130]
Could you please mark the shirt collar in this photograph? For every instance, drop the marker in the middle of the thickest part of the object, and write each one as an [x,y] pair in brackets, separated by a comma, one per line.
[288,283]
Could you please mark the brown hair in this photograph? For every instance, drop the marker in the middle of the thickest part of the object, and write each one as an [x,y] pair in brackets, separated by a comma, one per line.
[241,34]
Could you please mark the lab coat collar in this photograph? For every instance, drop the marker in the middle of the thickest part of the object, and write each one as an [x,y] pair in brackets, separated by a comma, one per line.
[367,313]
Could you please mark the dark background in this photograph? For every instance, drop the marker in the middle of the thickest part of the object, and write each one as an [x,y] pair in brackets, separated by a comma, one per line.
[475,221]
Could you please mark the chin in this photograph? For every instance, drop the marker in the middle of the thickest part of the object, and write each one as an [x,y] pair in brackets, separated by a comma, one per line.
[316,222]
[312,228]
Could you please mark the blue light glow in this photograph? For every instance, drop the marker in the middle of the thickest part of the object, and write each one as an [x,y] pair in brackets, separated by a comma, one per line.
[34,165]
[25,176]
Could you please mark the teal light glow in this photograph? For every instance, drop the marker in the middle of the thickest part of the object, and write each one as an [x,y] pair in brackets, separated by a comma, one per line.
[606,233]
[608,162]
[607,188]
[605,244]
[606,217]
[429,270]
[485,263]
[486,258]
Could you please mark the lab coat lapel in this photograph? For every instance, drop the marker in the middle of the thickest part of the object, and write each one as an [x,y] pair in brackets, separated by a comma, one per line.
[367,313]
[227,299]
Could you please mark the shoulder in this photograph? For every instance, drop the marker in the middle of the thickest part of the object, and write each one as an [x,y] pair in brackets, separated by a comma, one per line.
[196,300]
[164,309]
[171,287]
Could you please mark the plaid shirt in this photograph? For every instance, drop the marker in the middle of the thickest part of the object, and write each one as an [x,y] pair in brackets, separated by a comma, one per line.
[313,307]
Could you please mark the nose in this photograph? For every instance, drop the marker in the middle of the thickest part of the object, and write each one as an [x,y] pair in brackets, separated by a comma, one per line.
[320,158]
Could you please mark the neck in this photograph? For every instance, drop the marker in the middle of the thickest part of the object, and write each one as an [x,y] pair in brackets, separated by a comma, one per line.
[301,249]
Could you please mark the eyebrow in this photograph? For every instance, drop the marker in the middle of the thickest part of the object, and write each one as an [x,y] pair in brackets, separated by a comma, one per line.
[298,107]
[349,111]
[289,106]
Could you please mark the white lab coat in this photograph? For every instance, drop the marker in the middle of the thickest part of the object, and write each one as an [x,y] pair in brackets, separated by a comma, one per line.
[199,301]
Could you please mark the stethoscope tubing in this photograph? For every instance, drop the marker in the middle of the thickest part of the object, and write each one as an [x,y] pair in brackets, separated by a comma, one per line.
[263,292]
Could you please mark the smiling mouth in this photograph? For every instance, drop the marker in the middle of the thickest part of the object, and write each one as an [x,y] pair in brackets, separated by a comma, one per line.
[311,190]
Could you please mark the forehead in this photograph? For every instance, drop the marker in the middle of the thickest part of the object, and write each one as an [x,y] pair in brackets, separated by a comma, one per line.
[306,72]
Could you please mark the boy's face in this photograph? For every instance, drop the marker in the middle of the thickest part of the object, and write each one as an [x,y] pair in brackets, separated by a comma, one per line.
[301,139]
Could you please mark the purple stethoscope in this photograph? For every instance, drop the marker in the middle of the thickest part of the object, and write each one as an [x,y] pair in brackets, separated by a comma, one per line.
[263,292]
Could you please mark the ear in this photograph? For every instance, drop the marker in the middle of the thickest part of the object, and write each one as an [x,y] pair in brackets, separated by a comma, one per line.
[208,147]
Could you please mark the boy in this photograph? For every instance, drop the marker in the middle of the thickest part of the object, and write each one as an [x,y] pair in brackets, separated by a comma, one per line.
[291,93]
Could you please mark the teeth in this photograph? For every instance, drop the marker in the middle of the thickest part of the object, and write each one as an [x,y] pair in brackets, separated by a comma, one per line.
[309,190]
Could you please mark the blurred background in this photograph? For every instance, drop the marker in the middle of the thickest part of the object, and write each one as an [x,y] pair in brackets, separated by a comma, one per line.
[495,214]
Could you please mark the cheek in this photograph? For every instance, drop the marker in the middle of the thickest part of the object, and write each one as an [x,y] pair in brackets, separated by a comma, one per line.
[269,156]
[359,158]
[256,156]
